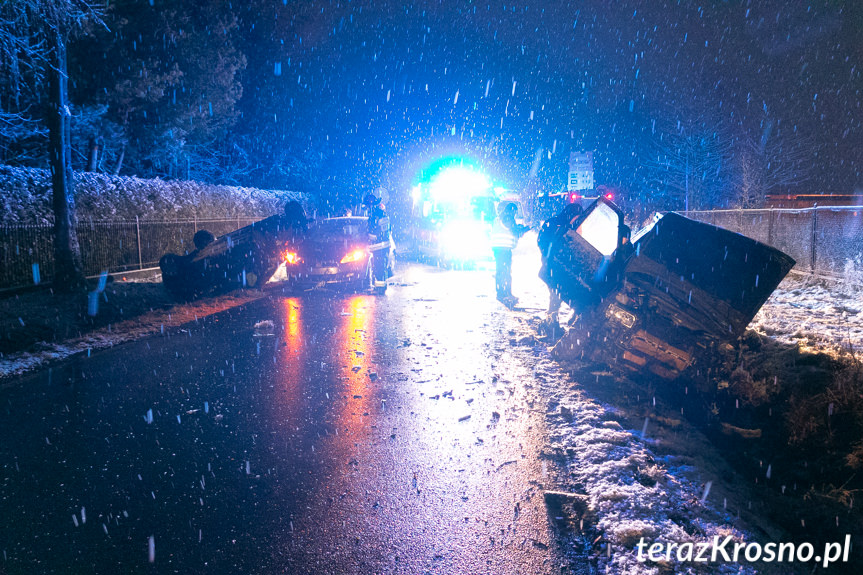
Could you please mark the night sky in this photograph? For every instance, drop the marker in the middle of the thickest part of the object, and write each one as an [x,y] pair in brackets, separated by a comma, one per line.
[379,88]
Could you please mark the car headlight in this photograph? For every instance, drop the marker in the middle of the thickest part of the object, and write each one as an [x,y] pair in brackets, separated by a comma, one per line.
[354,256]
[291,258]
[621,316]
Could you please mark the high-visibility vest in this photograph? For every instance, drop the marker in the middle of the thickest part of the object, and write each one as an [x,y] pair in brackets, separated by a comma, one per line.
[502,236]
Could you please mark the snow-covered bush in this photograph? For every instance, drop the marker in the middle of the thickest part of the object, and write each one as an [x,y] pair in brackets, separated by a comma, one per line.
[25,198]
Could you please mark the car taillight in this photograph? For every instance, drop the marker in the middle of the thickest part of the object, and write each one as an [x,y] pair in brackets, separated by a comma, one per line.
[354,256]
[291,258]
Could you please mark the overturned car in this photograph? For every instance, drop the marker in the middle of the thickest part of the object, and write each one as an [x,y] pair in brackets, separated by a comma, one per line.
[246,257]
[660,301]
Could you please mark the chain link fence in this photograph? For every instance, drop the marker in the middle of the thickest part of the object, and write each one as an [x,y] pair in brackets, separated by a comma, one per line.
[823,240]
[27,251]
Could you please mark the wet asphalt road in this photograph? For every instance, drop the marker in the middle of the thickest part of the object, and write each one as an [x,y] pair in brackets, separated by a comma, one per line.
[359,434]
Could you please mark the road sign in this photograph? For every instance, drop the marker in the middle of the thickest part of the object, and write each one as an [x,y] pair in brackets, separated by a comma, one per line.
[580,171]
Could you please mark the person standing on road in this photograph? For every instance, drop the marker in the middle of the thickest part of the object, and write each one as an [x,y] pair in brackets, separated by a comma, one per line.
[624,251]
[379,236]
[504,237]
[547,238]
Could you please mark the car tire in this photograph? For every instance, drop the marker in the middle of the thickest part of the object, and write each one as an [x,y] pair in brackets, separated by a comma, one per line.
[202,239]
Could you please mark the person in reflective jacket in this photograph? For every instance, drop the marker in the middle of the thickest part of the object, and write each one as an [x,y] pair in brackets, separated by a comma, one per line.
[504,237]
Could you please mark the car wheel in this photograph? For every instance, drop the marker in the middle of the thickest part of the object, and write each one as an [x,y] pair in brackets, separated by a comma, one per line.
[202,239]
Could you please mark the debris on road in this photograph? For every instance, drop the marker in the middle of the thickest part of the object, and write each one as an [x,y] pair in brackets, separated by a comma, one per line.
[265,328]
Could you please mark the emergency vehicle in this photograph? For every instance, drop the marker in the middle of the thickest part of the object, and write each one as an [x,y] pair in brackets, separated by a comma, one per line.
[453,210]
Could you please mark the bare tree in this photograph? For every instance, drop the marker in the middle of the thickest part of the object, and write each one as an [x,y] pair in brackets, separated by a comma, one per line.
[689,165]
[68,270]
[767,165]
[21,74]
[47,25]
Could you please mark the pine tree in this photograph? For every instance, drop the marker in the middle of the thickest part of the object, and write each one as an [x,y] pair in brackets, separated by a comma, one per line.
[169,78]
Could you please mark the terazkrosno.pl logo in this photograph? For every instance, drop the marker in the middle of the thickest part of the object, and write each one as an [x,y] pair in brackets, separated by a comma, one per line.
[728,550]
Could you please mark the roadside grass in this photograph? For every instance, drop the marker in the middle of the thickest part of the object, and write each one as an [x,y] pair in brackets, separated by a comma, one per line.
[783,408]
[789,422]
[38,327]
[32,319]
[812,420]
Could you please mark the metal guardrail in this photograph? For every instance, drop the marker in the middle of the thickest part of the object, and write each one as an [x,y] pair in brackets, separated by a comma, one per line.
[825,240]
[27,251]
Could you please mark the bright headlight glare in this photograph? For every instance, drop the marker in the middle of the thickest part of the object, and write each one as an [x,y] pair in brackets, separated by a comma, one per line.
[457,184]
[600,229]
[465,240]
[354,256]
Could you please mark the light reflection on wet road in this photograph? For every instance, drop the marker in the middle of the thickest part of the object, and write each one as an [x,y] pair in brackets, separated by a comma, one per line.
[359,434]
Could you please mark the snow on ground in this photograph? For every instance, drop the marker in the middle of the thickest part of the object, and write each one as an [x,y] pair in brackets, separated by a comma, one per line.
[820,316]
[637,486]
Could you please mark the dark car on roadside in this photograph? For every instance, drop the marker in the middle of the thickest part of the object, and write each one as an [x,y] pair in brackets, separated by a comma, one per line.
[244,258]
[662,300]
[339,251]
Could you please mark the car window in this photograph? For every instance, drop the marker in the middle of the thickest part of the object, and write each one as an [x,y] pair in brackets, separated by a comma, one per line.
[600,229]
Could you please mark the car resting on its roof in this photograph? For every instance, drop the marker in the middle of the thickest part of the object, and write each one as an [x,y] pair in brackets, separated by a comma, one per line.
[246,257]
